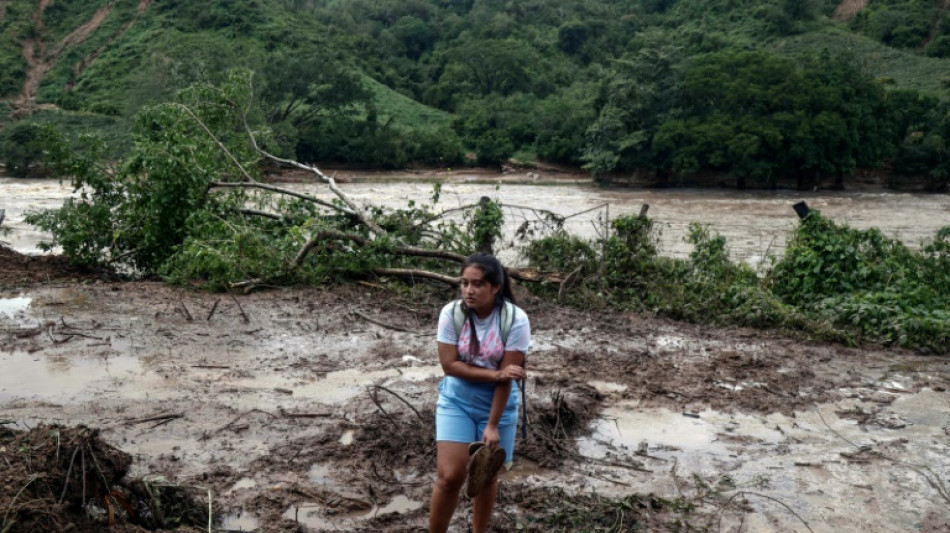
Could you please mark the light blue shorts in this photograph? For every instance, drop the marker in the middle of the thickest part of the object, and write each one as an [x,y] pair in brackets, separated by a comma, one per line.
[462,411]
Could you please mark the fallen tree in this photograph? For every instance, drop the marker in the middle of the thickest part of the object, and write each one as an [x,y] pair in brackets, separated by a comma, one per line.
[189,204]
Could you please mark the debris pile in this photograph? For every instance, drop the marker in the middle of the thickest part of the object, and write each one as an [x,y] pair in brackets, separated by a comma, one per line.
[54,478]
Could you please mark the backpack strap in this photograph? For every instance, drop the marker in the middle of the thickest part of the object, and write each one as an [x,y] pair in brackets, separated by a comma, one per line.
[507,318]
[458,315]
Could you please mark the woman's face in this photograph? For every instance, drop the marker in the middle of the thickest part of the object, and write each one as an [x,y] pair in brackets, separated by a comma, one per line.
[478,292]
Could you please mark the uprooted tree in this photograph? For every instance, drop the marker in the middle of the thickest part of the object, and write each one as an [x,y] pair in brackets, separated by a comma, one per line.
[189,203]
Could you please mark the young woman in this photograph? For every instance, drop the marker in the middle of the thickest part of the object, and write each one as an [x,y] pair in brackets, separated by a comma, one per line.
[479,396]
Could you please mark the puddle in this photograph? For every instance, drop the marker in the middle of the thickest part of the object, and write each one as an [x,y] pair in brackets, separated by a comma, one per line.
[240,522]
[401,505]
[315,517]
[11,307]
[336,387]
[607,387]
[320,474]
[622,429]
[26,375]
[246,483]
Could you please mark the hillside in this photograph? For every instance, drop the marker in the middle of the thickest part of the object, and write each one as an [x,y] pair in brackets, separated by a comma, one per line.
[600,84]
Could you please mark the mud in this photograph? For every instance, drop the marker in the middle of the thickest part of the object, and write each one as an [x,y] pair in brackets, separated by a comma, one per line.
[299,415]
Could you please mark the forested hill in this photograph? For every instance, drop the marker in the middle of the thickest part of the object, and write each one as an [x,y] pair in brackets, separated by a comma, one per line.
[768,92]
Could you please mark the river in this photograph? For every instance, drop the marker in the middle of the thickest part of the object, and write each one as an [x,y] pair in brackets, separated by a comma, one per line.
[756,224]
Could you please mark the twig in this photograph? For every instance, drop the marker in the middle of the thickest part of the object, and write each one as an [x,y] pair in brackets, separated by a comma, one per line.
[783,504]
[272,188]
[188,316]
[414,410]
[308,415]
[68,472]
[242,415]
[413,273]
[167,418]
[385,325]
[218,367]
[243,314]
[8,525]
[213,309]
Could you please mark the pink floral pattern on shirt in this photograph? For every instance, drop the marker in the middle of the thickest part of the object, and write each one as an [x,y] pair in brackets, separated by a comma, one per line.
[490,352]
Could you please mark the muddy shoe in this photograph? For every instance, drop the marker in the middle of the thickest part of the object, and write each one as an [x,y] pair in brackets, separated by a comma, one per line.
[473,447]
[482,467]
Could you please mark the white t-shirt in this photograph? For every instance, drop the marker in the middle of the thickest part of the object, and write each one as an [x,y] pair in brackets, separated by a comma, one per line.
[491,349]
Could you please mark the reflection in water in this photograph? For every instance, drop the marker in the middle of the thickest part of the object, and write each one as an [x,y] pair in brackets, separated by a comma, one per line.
[240,522]
[10,307]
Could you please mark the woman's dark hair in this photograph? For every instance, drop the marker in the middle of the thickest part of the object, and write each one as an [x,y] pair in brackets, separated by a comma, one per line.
[495,275]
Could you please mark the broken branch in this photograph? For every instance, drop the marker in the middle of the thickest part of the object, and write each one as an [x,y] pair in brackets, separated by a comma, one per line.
[272,188]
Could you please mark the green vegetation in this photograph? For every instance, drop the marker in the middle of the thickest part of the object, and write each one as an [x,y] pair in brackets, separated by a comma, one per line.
[797,98]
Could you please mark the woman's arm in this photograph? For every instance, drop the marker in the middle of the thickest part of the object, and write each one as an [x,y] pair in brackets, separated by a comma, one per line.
[449,359]
[511,364]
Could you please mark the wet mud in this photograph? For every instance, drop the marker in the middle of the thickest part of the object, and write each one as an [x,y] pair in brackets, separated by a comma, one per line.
[299,415]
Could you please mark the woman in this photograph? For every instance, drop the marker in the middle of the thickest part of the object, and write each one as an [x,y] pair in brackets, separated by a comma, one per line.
[478,398]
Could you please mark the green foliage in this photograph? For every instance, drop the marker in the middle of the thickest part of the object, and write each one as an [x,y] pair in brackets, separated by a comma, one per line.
[862,280]
[607,85]
[485,224]
[561,252]
[21,147]
[138,212]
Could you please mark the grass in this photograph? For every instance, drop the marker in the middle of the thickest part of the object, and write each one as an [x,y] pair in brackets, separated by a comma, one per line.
[906,70]
[406,112]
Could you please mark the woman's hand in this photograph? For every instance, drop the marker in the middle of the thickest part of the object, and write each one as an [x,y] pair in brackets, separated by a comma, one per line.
[509,373]
[491,437]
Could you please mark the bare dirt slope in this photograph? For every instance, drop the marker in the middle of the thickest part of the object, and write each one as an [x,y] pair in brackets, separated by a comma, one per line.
[847,9]
[300,414]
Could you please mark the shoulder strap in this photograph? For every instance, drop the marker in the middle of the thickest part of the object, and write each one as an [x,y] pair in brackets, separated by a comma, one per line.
[507,317]
[458,314]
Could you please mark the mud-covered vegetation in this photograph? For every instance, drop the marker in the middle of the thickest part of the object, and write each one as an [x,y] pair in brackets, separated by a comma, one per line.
[69,479]
[187,205]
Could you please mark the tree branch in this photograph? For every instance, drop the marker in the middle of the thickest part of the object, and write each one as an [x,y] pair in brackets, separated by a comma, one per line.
[400,250]
[373,227]
[272,188]
[413,273]
[221,145]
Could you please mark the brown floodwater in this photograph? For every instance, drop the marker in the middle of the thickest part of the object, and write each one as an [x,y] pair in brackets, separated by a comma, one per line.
[756,224]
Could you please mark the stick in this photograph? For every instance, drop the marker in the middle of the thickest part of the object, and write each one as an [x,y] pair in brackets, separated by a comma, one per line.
[288,192]
[188,316]
[243,314]
[413,273]
[308,415]
[414,410]
[166,418]
[385,325]
[213,309]
[220,367]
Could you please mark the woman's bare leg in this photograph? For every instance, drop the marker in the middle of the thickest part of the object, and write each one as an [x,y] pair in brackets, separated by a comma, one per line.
[451,460]
[482,506]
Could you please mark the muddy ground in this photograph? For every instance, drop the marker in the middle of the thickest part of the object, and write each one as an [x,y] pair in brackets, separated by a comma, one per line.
[311,410]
